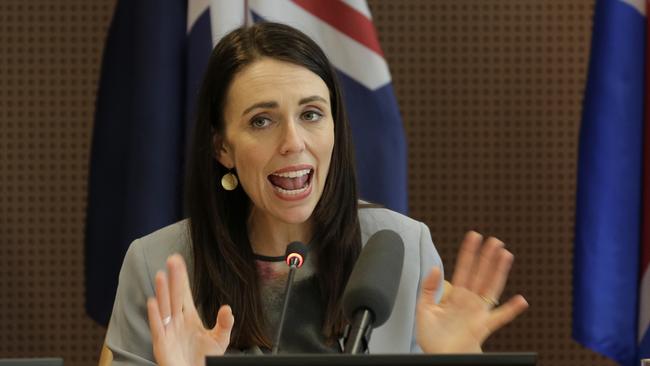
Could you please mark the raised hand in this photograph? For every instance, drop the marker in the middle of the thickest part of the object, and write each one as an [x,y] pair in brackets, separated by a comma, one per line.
[178,334]
[469,312]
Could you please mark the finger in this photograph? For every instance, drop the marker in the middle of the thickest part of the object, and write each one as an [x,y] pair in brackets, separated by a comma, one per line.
[446,290]
[155,322]
[487,265]
[466,257]
[494,287]
[506,313]
[188,300]
[223,328]
[178,288]
[429,287]
[162,295]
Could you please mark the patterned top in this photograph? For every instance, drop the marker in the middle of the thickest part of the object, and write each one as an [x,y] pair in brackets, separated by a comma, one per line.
[304,319]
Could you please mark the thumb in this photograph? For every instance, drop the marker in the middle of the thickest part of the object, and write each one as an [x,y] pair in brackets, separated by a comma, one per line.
[429,287]
[225,322]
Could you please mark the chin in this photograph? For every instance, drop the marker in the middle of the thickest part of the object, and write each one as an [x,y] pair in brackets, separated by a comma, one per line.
[296,215]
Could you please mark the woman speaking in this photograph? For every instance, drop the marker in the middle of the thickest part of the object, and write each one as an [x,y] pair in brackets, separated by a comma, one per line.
[272,163]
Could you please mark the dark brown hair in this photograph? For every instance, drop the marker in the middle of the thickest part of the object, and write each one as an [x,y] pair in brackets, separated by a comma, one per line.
[224,267]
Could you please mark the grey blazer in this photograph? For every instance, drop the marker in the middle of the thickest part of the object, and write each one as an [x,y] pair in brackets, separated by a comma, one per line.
[128,335]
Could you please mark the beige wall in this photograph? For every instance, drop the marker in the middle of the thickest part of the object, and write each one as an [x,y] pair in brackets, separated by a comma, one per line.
[490,92]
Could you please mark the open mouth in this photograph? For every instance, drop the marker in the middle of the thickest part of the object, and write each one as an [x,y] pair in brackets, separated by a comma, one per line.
[293,182]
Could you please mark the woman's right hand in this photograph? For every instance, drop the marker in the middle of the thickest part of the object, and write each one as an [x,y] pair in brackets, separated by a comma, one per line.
[178,334]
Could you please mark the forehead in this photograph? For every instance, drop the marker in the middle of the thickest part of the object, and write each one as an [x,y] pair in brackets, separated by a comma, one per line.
[272,80]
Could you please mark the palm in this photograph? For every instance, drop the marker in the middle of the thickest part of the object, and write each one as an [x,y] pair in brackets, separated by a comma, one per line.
[459,323]
[463,319]
[183,340]
[187,342]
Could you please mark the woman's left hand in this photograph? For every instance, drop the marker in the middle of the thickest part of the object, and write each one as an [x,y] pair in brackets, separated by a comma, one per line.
[469,312]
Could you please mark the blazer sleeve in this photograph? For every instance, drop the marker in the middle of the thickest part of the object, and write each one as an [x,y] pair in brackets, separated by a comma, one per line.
[128,335]
[429,258]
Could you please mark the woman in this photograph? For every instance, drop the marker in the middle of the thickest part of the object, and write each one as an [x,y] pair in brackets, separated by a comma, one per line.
[272,163]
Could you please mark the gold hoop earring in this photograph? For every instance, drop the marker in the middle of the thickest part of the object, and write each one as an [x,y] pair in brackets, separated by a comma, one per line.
[229,181]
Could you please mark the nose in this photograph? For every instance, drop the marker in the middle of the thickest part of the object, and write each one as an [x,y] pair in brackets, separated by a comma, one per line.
[292,140]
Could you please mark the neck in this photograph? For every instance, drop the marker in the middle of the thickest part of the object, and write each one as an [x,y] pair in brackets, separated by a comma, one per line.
[270,237]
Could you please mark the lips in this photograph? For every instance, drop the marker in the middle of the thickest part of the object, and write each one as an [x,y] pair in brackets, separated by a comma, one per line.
[291,181]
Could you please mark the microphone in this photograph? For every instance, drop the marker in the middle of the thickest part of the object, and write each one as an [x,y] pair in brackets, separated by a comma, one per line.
[371,290]
[295,257]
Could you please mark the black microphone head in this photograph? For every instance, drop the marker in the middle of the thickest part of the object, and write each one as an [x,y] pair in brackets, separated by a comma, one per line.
[298,251]
[375,278]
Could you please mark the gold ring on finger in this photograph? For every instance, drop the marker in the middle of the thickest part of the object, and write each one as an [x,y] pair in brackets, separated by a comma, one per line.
[490,301]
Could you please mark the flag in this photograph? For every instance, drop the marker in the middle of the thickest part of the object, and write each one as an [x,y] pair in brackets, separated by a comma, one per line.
[155,56]
[151,69]
[611,284]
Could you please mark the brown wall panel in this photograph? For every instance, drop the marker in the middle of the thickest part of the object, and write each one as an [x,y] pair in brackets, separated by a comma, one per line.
[49,65]
[490,92]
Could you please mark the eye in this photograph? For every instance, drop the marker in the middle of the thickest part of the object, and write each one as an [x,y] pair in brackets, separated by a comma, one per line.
[260,122]
[312,116]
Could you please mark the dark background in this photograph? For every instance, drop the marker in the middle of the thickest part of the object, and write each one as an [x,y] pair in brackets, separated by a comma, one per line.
[490,92]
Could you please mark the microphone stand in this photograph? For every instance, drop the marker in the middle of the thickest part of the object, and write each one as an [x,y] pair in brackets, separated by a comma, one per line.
[357,333]
[287,294]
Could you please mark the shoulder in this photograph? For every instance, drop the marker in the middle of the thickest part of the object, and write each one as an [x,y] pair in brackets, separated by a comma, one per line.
[151,251]
[174,238]
[415,235]
[374,218]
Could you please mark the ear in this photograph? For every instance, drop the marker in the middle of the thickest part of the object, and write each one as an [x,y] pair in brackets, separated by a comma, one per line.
[223,153]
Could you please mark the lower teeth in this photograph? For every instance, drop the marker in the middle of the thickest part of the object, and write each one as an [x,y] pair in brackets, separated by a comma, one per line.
[291,192]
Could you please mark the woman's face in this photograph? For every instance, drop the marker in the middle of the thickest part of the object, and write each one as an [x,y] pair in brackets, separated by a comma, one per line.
[279,136]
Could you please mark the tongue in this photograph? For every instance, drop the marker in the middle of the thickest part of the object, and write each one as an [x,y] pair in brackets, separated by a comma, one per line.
[289,183]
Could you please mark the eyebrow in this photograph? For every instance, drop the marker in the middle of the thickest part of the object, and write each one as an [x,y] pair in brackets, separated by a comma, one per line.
[272,104]
[313,98]
[260,105]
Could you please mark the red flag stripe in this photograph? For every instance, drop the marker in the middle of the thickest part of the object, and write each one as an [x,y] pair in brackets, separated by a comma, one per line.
[346,19]
[645,218]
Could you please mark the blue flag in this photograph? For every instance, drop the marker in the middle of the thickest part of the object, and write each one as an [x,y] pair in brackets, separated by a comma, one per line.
[609,208]
[138,148]
[154,59]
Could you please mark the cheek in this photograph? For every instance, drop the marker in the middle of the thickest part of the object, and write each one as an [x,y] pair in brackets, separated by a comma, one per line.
[250,164]
[329,145]
[325,153]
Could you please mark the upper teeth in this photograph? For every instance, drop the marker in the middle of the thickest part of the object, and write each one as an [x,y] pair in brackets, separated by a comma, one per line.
[293,174]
